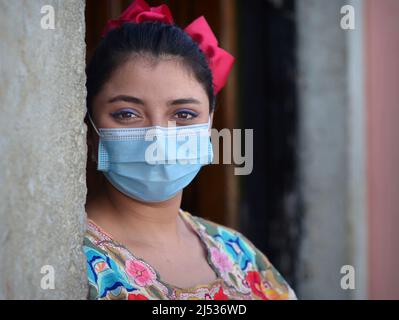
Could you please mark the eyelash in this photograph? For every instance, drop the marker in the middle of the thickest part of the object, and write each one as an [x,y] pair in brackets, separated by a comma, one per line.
[189,113]
[119,115]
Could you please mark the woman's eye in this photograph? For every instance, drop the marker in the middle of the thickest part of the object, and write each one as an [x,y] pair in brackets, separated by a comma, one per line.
[185,115]
[124,115]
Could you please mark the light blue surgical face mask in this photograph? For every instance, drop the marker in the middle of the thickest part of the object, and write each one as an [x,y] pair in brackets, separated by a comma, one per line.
[153,164]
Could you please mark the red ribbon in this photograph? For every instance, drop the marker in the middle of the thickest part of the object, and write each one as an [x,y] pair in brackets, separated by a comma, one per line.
[220,61]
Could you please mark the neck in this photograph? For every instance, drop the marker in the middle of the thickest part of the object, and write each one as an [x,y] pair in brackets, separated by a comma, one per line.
[149,222]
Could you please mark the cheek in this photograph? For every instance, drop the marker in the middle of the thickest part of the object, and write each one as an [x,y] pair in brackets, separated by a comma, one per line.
[102,118]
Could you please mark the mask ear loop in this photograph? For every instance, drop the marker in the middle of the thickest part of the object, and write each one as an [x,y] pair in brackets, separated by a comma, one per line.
[92,123]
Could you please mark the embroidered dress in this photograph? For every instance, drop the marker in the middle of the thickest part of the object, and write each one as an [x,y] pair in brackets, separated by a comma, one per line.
[243,272]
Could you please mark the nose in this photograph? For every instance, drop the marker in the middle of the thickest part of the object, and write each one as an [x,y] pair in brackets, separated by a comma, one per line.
[161,121]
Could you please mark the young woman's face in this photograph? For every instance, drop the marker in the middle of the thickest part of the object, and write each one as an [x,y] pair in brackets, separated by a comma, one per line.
[141,93]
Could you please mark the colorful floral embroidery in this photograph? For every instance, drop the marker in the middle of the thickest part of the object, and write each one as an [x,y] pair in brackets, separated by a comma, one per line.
[221,260]
[236,247]
[258,288]
[243,271]
[105,274]
[140,272]
[220,295]
[132,296]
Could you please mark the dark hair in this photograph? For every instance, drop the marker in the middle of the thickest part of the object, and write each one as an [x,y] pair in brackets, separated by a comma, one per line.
[148,38]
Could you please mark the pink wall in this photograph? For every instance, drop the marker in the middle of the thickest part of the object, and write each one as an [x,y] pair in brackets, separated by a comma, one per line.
[382,96]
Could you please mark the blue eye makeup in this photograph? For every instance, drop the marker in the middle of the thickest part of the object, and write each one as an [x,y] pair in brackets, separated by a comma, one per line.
[185,114]
[124,114]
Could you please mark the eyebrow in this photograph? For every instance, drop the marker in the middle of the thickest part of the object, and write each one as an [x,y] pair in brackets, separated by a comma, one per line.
[132,99]
[185,101]
[125,98]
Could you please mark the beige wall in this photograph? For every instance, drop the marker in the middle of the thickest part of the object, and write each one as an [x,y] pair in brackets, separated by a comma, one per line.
[42,149]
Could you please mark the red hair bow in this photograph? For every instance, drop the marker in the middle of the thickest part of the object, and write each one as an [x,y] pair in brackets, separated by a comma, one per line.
[220,61]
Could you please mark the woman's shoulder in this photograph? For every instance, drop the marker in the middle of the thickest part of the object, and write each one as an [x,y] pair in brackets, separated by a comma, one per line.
[106,275]
[253,262]
[234,240]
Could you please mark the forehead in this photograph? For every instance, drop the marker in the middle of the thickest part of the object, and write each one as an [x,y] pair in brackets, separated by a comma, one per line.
[162,77]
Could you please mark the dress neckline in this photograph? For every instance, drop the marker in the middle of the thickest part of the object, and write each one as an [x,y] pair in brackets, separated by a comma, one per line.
[187,218]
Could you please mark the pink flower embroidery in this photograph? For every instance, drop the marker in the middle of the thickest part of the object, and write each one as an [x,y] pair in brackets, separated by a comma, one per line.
[140,272]
[221,260]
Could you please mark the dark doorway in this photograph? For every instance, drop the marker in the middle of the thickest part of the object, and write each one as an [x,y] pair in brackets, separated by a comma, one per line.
[270,214]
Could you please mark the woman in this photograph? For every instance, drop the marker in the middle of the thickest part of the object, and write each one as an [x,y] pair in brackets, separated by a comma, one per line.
[152,86]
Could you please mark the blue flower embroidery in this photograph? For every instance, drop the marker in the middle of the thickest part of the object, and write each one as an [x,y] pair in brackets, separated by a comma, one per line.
[236,247]
[105,274]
